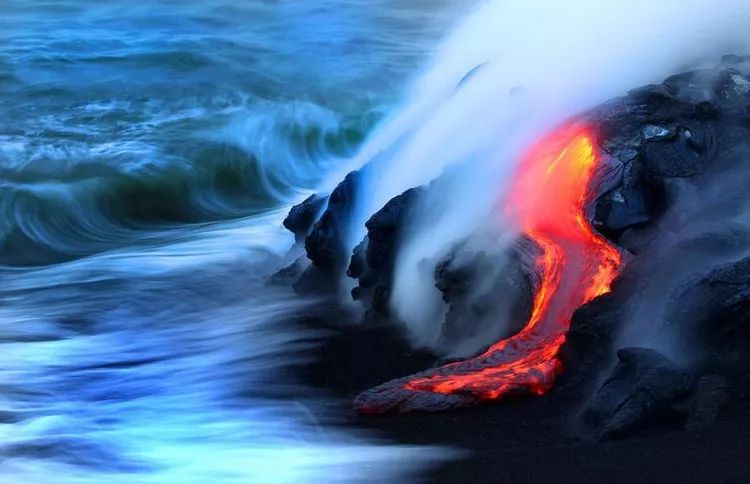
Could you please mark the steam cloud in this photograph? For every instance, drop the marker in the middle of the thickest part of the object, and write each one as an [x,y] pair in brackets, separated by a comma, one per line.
[509,73]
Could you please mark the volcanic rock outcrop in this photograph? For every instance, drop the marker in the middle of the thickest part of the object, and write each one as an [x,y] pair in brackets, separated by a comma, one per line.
[302,217]
[711,313]
[668,134]
[324,239]
[480,288]
[655,144]
[373,260]
[644,388]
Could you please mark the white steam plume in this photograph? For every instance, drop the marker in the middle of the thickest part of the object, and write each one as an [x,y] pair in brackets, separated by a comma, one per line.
[532,63]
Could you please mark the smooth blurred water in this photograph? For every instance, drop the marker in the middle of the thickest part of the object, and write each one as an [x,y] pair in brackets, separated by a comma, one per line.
[117,116]
[148,152]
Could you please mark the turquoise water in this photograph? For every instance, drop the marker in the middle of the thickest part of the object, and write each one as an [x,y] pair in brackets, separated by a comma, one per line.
[116,117]
[148,151]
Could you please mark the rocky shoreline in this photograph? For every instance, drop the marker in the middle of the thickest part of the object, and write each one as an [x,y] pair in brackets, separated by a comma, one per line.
[672,196]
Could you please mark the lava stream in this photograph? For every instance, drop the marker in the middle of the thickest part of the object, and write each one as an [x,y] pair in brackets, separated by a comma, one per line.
[548,198]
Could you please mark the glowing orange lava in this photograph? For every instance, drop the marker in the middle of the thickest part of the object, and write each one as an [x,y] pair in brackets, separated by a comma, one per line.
[548,198]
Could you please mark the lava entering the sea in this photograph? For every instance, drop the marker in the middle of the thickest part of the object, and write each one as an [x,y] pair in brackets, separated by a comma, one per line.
[548,198]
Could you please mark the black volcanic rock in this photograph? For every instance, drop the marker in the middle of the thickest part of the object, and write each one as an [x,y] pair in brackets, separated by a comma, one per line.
[302,217]
[384,227]
[485,287]
[677,130]
[733,91]
[623,208]
[588,344]
[324,244]
[692,123]
[645,389]
[477,284]
[684,156]
[644,386]
[300,221]
[373,260]
[710,315]
[659,143]
[710,394]
[289,275]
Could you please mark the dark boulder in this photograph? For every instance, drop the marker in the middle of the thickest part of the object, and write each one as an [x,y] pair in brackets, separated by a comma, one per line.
[588,344]
[710,394]
[683,156]
[325,244]
[733,90]
[692,123]
[709,315]
[373,260]
[488,292]
[623,208]
[384,228]
[727,86]
[656,135]
[299,221]
[644,388]
[302,217]
[481,287]
[289,275]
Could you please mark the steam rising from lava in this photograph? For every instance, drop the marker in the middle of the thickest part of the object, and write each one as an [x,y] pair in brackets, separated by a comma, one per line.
[509,73]
[549,197]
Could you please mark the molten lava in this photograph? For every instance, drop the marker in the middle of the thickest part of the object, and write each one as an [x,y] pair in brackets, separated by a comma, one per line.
[548,199]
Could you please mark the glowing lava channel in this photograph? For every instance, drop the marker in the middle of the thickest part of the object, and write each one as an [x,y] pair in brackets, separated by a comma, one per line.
[548,198]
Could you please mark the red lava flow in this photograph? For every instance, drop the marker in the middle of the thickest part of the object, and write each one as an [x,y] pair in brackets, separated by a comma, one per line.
[548,199]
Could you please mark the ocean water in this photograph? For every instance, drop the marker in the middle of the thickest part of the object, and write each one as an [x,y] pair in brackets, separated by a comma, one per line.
[120,116]
[148,152]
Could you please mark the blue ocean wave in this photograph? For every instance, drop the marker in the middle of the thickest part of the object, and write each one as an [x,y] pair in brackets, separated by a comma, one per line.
[148,154]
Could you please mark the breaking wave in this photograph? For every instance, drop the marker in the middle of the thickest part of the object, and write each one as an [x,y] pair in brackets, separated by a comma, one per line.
[64,199]
[148,154]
